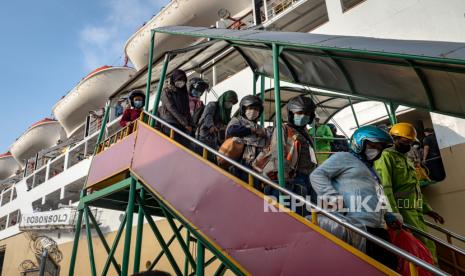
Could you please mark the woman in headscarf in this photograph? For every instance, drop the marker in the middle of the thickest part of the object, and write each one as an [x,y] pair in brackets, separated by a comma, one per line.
[215,118]
[175,105]
[246,127]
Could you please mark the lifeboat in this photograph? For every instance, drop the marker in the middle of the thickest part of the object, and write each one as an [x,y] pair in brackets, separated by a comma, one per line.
[89,95]
[41,135]
[8,165]
[196,13]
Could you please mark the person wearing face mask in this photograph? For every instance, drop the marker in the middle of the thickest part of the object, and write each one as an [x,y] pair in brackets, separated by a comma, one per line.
[197,87]
[323,135]
[401,184]
[215,118]
[175,106]
[137,100]
[346,176]
[299,154]
[245,126]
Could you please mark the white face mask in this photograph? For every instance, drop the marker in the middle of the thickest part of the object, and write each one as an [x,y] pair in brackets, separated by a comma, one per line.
[251,114]
[371,154]
[179,83]
[416,146]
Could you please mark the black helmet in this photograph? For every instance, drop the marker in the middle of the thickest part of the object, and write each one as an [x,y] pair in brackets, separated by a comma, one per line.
[251,100]
[300,104]
[135,93]
[197,84]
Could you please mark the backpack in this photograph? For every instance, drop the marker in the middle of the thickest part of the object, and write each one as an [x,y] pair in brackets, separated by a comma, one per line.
[266,162]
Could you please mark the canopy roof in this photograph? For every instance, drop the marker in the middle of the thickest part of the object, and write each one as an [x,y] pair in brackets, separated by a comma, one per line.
[420,74]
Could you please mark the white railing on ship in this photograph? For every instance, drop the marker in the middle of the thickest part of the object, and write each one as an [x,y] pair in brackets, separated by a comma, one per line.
[46,172]
[274,8]
[397,251]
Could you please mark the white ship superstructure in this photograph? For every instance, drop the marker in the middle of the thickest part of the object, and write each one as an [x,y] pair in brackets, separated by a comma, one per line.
[48,164]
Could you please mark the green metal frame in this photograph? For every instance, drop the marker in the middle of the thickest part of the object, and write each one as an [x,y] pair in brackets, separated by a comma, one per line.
[137,195]
[279,128]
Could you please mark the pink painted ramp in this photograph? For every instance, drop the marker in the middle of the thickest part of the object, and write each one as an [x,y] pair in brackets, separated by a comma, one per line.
[232,216]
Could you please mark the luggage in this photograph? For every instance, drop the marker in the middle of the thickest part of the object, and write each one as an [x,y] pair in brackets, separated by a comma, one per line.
[407,241]
[232,148]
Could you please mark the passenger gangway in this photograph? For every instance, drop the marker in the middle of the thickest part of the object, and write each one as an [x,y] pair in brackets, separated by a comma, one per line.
[140,170]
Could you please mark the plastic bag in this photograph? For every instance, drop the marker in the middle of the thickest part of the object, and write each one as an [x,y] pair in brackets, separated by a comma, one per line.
[406,241]
[342,233]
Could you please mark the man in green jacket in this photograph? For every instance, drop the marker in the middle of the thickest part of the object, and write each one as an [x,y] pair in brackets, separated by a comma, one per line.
[323,138]
[401,185]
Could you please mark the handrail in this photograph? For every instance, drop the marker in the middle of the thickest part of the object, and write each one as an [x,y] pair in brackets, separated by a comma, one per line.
[445,231]
[433,238]
[80,143]
[397,251]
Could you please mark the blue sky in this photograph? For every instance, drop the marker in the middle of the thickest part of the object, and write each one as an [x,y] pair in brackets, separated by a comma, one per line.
[47,46]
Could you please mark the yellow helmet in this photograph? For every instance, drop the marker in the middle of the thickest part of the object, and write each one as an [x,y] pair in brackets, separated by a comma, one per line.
[405,130]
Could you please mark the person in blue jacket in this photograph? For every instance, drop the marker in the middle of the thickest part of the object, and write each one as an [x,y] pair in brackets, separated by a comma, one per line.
[349,179]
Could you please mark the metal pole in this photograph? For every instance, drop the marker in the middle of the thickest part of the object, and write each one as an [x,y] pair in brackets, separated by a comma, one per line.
[127,238]
[104,124]
[90,247]
[393,112]
[160,86]
[87,126]
[279,128]
[254,84]
[353,112]
[77,235]
[262,97]
[149,75]
[140,229]
[43,260]
[200,259]
[389,114]
[188,242]
[102,239]
[114,246]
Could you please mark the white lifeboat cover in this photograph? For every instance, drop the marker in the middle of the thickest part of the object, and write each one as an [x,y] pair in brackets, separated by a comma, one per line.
[8,165]
[41,135]
[89,95]
[196,13]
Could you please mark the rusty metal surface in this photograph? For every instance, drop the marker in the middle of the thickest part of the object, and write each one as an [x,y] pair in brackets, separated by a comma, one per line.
[234,218]
[110,162]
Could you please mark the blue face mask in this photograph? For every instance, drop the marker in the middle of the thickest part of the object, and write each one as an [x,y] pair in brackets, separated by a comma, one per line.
[301,119]
[196,93]
[138,104]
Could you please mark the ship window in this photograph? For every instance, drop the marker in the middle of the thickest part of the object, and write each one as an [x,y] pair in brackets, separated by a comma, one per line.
[14,218]
[348,4]
[3,222]
[2,257]
[6,197]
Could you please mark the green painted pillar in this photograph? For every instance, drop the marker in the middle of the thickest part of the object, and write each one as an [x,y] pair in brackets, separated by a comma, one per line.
[354,113]
[89,242]
[77,236]
[254,84]
[393,108]
[140,229]
[200,271]
[279,128]
[262,97]
[188,242]
[104,124]
[127,238]
[160,86]
[149,75]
